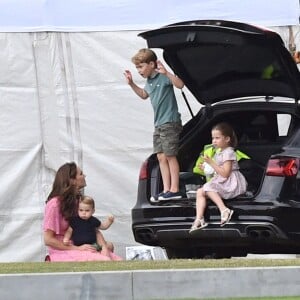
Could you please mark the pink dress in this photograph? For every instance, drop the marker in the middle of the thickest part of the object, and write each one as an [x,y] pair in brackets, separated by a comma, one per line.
[229,187]
[54,221]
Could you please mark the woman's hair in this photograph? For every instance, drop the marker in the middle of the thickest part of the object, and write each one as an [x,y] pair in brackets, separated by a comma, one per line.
[87,200]
[65,190]
[144,55]
[227,130]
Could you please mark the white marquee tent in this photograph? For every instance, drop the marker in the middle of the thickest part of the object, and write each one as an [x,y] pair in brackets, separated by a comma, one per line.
[63,98]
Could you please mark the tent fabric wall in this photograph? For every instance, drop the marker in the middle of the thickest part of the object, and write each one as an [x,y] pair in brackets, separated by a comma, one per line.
[63,98]
[67,100]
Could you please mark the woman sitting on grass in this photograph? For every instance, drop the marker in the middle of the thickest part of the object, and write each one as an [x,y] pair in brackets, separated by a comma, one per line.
[61,206]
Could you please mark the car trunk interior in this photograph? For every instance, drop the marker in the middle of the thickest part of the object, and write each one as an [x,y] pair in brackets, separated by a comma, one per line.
[260,134]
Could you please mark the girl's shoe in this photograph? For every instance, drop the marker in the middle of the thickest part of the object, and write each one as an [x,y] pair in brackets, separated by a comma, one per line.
[198,224]
[226,215]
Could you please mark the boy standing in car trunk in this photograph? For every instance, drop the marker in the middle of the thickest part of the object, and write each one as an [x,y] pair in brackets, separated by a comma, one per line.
[167,119]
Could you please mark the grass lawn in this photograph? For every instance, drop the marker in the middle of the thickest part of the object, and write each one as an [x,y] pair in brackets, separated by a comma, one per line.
[48,267]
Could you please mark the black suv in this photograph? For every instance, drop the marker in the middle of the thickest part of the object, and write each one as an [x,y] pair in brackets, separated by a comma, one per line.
[243,75]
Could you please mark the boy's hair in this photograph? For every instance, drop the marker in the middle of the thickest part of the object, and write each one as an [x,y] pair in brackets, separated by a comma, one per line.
[144,55]
[227,130]
[87,200]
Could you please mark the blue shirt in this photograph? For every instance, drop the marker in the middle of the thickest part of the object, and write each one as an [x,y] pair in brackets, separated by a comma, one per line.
[161,92]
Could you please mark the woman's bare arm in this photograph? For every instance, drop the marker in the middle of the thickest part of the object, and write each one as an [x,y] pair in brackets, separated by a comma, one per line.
[51,241]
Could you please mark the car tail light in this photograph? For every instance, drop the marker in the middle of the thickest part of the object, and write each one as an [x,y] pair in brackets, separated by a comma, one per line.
[283,166]
[144,170]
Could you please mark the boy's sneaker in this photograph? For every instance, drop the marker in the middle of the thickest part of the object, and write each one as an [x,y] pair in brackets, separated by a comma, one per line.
[170,196]
[156,197]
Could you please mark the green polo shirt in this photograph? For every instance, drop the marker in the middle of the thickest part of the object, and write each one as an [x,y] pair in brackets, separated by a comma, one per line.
[161,92]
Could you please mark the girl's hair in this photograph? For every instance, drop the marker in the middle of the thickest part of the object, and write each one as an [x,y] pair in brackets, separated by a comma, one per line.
[87,200]
[227,130]
[144,55]
[65,190]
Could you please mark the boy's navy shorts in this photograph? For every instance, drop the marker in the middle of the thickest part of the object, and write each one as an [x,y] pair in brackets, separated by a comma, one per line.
[166,138]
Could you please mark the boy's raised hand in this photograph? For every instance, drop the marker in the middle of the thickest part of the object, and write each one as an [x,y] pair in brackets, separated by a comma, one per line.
[161,68]
[176,81]
[128,76]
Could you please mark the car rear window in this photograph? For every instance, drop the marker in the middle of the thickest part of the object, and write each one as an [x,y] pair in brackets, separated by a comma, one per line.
[283,122]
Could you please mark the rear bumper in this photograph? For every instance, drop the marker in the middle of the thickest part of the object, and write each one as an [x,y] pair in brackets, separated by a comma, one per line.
[254,237]
[257,226]
[172,232]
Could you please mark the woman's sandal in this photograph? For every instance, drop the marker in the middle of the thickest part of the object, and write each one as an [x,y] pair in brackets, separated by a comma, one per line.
[226,215]
[198,224]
